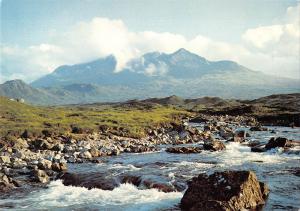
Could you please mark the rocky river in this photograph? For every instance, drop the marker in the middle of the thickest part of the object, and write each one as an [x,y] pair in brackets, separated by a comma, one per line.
[157,179]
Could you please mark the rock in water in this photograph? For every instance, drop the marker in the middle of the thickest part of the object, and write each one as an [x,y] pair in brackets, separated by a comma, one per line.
[184,150]
[278,142]
[214,145]
[229,190]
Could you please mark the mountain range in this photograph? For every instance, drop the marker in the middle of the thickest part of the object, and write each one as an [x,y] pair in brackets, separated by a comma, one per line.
[153,74]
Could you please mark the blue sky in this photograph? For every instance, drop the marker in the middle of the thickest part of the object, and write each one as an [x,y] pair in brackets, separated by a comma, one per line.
[39,35]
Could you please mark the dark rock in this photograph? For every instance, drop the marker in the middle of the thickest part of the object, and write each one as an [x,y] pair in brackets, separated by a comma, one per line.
[135,180]
[89,180]
[26,134]
[278,142]
[214,145]
[58,147]
[199,119]
[41,144]
[159,186]
[258,149]
[77,130]
[47,133]
[258,128]
[229,190]
[185,150]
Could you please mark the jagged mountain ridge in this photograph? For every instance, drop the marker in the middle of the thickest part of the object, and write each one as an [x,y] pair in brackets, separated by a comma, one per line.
[155,74]
[150,67]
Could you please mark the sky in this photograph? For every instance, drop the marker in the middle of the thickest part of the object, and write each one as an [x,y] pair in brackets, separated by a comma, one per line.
[37,36]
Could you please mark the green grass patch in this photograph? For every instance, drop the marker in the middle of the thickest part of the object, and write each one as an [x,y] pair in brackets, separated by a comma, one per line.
[131,121]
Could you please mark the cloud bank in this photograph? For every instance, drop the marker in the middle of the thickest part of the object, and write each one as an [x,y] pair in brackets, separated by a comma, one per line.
[272,49]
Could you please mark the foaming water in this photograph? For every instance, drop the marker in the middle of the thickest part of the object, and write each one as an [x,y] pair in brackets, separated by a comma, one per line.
[127,196]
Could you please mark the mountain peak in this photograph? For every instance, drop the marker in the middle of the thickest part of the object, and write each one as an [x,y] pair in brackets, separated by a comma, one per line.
[16,82]
[182,51]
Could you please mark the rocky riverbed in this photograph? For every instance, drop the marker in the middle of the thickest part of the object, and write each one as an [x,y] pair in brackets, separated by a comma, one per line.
[101,171]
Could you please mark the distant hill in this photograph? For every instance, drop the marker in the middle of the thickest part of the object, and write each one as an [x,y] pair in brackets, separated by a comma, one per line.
[155,74]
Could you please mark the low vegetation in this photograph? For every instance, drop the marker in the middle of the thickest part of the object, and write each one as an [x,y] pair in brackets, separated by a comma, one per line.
[134,120]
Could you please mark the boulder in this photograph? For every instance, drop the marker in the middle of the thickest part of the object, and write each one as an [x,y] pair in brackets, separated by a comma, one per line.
[278,142]
[184,150]
[214,145]
[229,190]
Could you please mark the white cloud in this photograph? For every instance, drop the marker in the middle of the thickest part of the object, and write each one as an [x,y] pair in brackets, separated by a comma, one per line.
[156,69]
[273,49]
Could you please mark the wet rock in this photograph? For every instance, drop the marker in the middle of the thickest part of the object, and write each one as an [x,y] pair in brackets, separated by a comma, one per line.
[278,142]
[258,149]
[229,190]
[253,143]
[89,180]
[214,145]
[40,176]
[132,179]
[184,150]
[258,128]
[159,186]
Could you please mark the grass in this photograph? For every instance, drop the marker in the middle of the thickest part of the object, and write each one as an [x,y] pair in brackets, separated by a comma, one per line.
[131,121]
